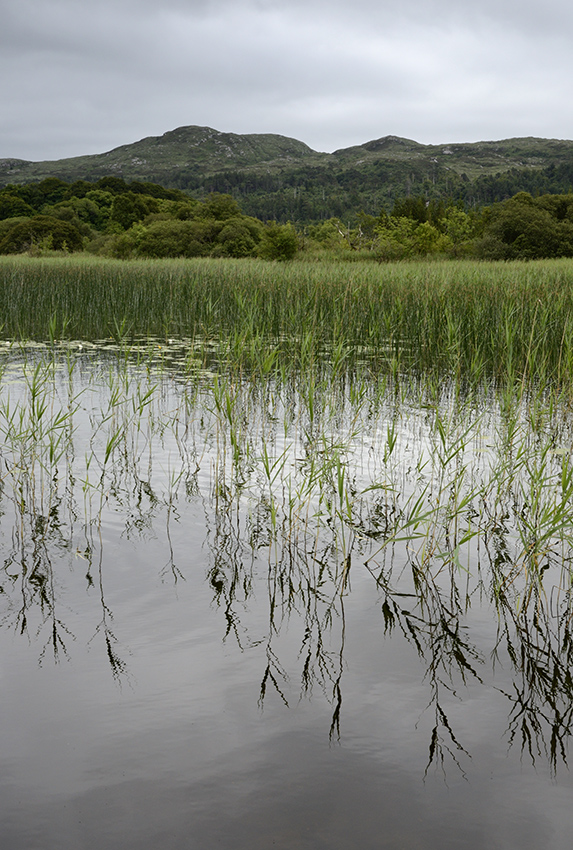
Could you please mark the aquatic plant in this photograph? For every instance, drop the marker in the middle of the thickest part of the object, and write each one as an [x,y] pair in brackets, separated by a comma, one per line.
[310,473]
[509,321]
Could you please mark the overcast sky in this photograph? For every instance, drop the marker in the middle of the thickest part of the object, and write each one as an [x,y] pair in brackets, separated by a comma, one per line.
[83,77]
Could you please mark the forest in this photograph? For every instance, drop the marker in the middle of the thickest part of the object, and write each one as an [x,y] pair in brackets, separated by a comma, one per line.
[113,218]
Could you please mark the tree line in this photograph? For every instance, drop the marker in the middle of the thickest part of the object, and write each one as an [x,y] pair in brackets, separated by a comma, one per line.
[113,218]
[319,192]
[521,227]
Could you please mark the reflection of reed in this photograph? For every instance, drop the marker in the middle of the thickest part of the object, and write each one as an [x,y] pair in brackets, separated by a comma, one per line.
[37,442]
[309,479]
[103,628]
[537,638]
[431,620]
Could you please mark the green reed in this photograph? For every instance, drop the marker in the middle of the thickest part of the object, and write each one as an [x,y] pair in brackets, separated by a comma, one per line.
[469,319]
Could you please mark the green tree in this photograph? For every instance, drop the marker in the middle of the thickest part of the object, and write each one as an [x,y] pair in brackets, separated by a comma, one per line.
[40,229]
[12,206]
[427,240]
[175,239]
[414,208]
[522,228]
[396,238]
[457,225]
[115,185]
[53,190]
[130,208]
[220,207]
[79,211]
[278,242]
[238,237]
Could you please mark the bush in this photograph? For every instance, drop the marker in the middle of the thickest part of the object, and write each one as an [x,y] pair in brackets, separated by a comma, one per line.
[279,242]
[220,207]
[238,237]
[41,230]
[12,206]
[173,239]
[522,228]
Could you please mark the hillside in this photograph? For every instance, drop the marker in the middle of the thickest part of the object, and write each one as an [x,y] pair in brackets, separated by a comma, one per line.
[275,177]
[201,150]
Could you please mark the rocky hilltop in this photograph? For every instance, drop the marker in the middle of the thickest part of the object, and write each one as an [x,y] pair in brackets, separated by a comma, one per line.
[278,177]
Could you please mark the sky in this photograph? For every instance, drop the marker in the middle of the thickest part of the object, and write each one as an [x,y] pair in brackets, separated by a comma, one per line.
[83,77]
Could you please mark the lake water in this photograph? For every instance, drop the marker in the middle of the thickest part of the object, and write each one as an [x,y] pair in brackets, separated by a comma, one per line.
[235,616]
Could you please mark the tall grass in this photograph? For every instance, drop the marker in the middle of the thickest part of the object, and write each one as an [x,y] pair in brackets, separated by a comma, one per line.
[468,319]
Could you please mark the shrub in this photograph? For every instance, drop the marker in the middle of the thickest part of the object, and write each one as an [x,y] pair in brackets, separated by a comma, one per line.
[173,239]
[527,229]
[12,206]
[52,232]
[279,242]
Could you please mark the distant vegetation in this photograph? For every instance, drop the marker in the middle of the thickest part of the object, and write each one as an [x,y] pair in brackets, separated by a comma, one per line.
[519,228]
[122,220]
[338,189]
[276,178]
[116,219]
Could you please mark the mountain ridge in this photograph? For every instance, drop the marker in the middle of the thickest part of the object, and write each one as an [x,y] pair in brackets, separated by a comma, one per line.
[220,149]
[275,176]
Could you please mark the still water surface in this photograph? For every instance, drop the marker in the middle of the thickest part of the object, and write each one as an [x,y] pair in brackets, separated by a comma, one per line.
[175,675]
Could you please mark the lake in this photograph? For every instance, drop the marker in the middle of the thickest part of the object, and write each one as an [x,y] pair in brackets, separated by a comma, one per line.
[310,609]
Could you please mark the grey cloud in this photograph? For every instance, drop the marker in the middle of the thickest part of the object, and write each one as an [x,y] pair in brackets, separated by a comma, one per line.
[87,77]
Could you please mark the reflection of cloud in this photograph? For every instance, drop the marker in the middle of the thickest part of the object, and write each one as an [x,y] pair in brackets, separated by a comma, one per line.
[85,78]
[282,791]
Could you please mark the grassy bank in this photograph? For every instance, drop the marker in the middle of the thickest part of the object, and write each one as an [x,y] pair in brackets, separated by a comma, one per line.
[467,318]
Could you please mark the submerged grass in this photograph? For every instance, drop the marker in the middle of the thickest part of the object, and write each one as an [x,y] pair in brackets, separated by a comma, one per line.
[468,319]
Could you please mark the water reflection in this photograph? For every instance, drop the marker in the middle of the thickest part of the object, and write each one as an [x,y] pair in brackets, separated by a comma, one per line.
[297,493]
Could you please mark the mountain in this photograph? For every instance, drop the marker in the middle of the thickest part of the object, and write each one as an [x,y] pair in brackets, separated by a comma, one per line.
[200,150]
[276,177]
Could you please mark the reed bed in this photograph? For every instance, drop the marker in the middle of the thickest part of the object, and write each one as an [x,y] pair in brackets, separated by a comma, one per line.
[466,319]
[410,424]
